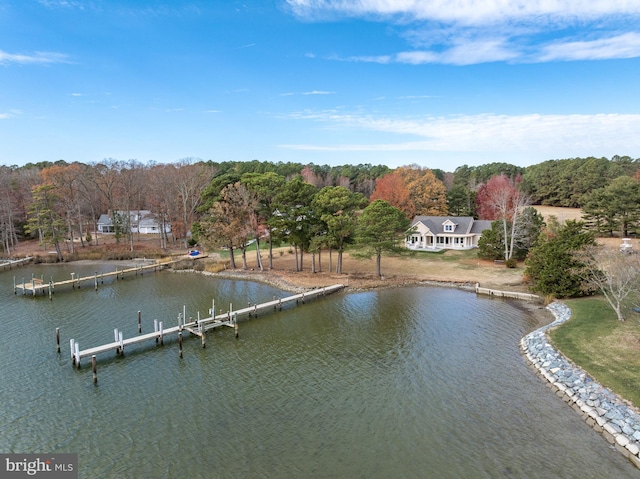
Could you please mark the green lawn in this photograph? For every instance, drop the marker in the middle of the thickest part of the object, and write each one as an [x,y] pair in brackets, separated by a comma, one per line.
[607,349]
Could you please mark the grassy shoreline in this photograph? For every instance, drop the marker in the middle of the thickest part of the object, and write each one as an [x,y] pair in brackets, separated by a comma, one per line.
[605,348]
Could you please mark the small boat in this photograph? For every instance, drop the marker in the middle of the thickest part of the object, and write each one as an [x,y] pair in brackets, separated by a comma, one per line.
[195,254]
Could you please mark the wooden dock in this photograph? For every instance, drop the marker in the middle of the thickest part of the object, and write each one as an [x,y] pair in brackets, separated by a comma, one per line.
[197,327]
[38,285]
[10,263]
[508,294]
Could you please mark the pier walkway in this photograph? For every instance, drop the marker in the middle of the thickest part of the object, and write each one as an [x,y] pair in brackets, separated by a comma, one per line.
[10,263]
[196,327]
[38,285]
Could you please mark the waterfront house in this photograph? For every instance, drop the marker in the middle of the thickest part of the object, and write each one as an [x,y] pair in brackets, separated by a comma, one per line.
[432,233]
[139,221]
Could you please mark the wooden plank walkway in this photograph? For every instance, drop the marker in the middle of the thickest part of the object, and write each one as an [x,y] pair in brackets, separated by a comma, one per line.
[10,263]
[38,285]
[198,327]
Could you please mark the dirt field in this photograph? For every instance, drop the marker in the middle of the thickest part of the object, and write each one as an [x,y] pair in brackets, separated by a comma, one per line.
[449,267]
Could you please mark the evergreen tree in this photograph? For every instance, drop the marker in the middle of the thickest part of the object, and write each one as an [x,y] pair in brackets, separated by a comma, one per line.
[379,228]
[553,268]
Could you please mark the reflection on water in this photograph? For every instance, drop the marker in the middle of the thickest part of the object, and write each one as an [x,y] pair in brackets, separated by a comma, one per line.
[414,382]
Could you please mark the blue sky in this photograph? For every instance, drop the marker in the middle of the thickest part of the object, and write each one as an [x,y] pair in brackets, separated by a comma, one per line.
[434,82]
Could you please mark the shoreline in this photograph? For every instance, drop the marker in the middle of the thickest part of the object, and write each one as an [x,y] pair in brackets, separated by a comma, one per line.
[606,412]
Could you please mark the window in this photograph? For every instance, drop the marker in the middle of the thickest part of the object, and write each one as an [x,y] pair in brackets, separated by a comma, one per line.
[448,228]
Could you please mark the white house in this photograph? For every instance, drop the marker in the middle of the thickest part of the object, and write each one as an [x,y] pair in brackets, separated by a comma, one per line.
[140,221]
[432,233]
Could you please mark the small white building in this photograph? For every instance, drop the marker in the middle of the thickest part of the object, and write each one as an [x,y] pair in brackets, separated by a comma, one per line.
[140,221]
[434,233]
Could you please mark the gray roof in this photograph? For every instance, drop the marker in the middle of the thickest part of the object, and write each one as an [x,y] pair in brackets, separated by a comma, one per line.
[464,224]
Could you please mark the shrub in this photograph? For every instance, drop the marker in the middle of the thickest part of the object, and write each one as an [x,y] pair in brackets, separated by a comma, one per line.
[511,263]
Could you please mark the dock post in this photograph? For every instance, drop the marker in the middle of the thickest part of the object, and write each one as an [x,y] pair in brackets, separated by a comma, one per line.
[303,297]
[161,334]
[255,310]
[58,340]
[280,303]
[155,328]
[180,343]
[72,348]
[95,281]
[139,322]
[77,345]
[274,306]
[121,343]
[15,290]
[95,369]
[50,291]
[73,285]
[235,326]
[115,339]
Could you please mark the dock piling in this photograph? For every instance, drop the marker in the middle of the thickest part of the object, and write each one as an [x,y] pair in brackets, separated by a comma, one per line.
[180,343]
[139,322]
[77,346]
[95,369]
[58,340]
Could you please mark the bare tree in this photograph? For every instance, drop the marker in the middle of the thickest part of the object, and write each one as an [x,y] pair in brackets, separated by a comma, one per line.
[189,182]
[616,275]
[502,199]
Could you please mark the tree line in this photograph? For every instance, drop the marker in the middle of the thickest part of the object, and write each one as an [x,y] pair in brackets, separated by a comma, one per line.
[311,207]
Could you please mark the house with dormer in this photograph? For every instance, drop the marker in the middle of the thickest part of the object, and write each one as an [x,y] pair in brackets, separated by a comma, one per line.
[432,233]
[136,221]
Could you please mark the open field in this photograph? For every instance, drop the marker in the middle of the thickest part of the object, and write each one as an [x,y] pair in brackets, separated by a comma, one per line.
[563,214]
[449,266]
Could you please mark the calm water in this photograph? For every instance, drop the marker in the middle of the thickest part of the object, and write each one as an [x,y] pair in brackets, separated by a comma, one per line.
[415,382]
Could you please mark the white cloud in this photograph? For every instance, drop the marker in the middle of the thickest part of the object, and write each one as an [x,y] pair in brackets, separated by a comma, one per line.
[466,12]
[465,32]
[312,92]
[9,114]
[548,134]
[36,58]
[621,46]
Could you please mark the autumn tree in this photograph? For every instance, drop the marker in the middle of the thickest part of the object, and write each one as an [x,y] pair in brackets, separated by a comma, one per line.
[227,223]
[428,194]
[491,244]
[392,188]
[379,229]
[501,199]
